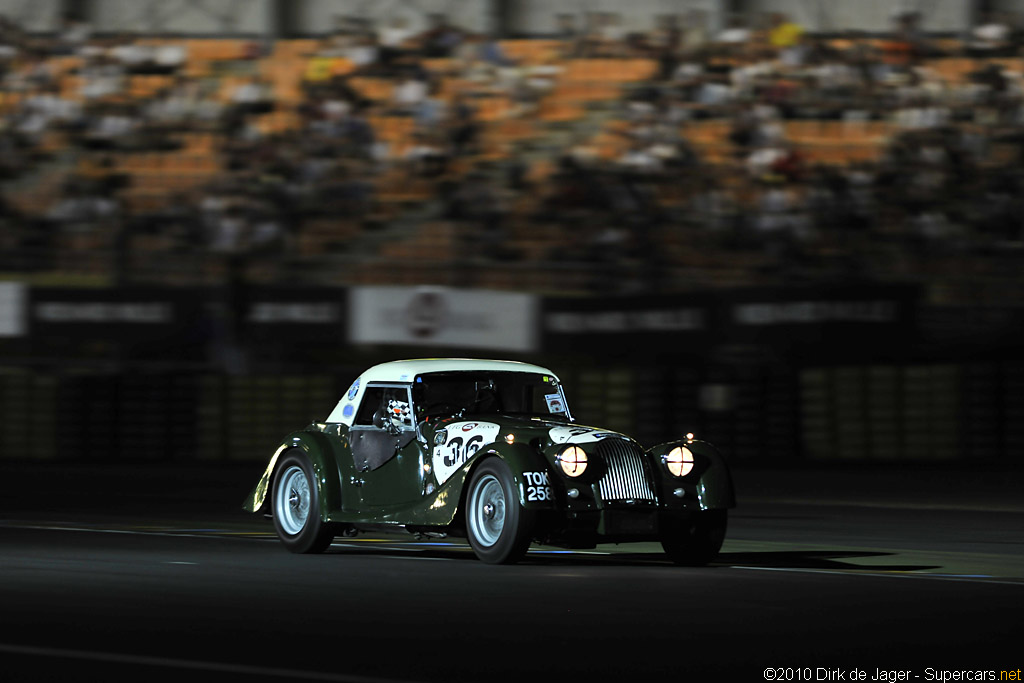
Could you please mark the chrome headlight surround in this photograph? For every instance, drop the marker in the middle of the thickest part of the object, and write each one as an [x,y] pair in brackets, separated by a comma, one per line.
[573,461]
[678,461]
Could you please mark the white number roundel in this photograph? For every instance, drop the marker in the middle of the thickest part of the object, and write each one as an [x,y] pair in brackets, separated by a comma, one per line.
[464,441]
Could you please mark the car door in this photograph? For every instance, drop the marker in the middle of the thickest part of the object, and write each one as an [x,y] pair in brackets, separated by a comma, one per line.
[388,462]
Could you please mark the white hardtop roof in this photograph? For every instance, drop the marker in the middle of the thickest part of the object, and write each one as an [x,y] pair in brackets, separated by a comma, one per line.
[406,370]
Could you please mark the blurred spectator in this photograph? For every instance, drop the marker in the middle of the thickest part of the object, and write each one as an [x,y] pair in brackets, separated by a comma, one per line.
[111,126]
[185,105]
[253,96]
[266,234]
[227,230]
[992,38]
[74,34]
[45,110]
[361,50]
[606,35]
[431,110]
[735,33]
[442,38]
[642,157]
[102,77]
[32,71]
[908,42]
[168,59]
[694,31]
[784,33]
[428,155]
[394,39]
[82,209]
[410,92]
[138,58]
[490,52]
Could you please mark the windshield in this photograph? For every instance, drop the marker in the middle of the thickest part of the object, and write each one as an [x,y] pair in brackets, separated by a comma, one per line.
[481,393]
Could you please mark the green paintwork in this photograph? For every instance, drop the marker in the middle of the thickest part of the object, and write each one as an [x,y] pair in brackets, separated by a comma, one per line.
[319,448]
[520,458]
[403,489]
[440,507]
[715,488]
[708,487]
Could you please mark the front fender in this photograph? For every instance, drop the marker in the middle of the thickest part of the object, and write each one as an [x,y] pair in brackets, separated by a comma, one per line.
[441,508]
[715,489]
[710,483]
[529,469]
[317,448]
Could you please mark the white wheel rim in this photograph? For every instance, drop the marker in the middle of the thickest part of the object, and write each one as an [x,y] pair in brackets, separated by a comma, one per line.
[487,510]
[291,500]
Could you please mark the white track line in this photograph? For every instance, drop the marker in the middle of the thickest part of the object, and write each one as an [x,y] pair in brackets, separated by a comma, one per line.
[881,505]
[867,571]
[221,533]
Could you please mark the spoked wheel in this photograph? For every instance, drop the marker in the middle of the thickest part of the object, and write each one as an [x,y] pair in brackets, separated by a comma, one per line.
[296,506]
[693,541]
[498,527]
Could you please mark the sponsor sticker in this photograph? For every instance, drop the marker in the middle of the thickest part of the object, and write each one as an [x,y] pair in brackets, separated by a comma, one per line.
[580,435]
[555,404]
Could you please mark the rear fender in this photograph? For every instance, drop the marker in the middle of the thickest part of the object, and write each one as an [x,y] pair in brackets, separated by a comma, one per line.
[318,450]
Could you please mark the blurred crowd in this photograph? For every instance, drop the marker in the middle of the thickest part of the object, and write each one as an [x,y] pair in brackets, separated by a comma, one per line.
[670,158]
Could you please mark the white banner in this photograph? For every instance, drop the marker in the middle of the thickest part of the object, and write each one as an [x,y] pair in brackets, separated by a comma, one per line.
[438,316]
[12,309]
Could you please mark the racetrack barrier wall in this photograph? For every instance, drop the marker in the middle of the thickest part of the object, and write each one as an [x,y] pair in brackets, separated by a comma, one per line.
[918,413]
[830,374]
[758,414]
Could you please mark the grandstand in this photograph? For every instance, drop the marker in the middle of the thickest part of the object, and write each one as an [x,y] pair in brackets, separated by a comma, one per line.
[405,148]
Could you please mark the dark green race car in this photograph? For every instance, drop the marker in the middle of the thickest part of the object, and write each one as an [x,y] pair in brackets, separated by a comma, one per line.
[487,450]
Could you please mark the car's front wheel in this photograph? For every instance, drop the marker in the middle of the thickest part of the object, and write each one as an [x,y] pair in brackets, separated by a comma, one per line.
[695,540]
[498,526]
[296,508]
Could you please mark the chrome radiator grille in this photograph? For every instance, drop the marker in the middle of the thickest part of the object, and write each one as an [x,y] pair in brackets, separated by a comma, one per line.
[626,476]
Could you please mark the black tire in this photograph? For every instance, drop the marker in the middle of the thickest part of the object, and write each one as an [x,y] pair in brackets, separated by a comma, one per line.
[295,506]
[694,541]
[499,528]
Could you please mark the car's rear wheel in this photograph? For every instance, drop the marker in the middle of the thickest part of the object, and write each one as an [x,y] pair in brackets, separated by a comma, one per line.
[296,506]
[498,527]
[695,540]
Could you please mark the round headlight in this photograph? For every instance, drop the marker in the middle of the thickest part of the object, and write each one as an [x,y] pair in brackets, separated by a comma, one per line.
[573,461]
[679,461]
